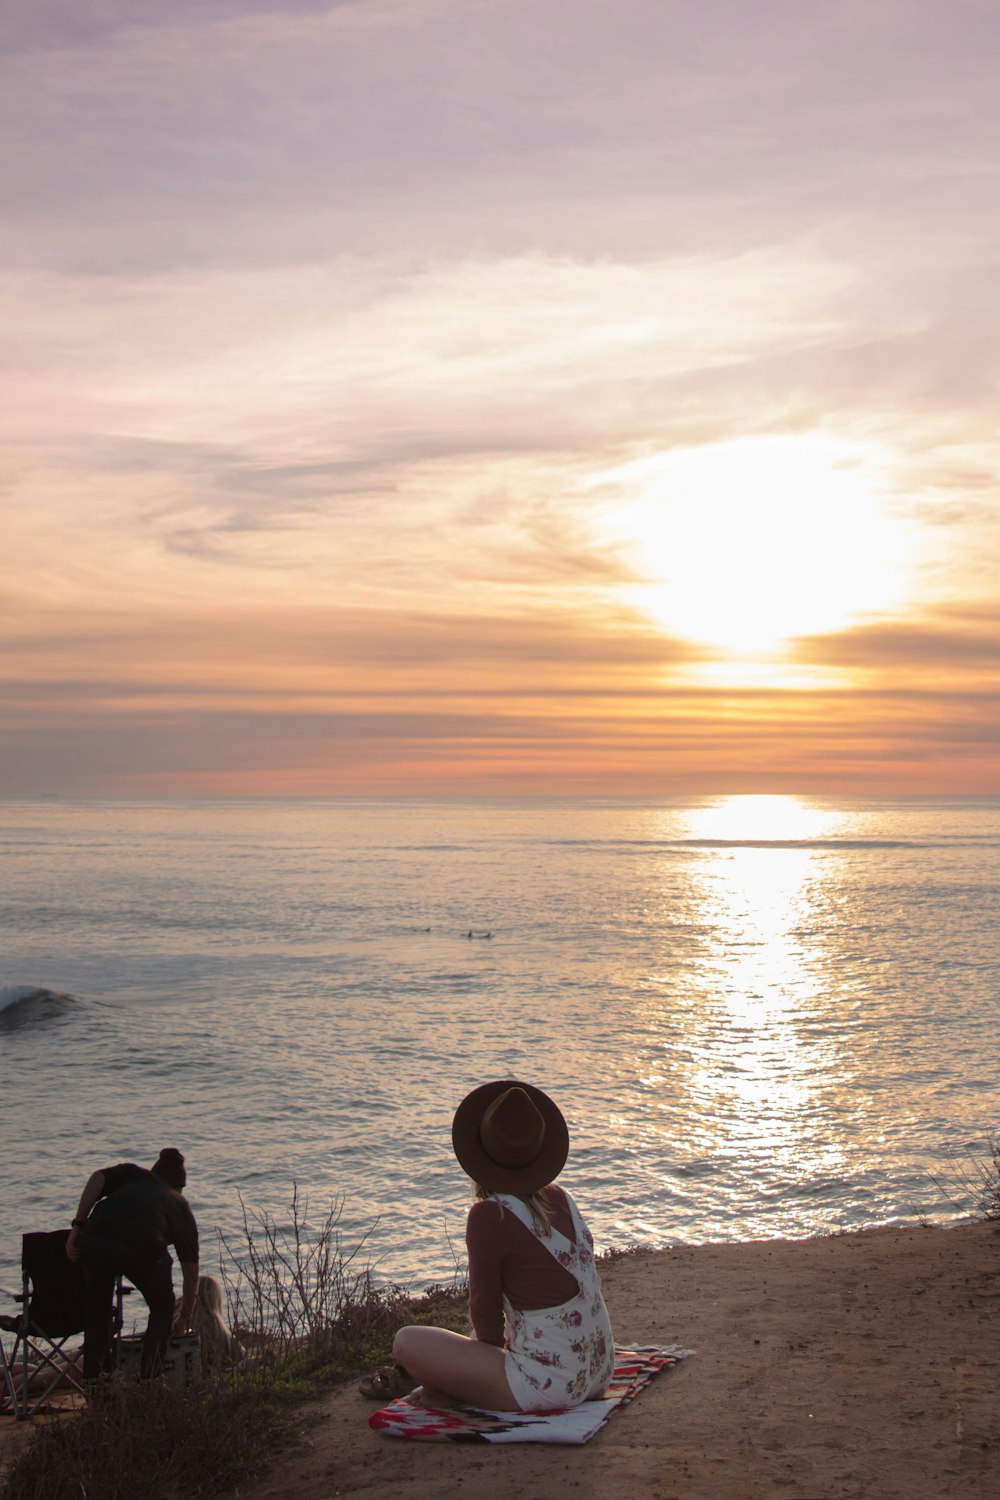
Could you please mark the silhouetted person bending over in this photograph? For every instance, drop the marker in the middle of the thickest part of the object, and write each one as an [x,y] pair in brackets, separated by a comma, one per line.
[126,1220]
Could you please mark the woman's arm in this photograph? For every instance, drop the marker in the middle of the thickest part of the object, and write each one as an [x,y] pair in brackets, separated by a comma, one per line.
[90,1195]
[482,1239]
[189,1291]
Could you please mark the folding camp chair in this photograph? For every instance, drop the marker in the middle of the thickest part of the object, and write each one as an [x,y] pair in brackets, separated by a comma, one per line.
[53,1307]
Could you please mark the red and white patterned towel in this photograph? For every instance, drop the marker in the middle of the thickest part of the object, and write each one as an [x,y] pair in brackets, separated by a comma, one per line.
[634,1369]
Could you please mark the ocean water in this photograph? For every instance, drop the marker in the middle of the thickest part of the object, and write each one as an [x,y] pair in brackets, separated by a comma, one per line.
[761,1015]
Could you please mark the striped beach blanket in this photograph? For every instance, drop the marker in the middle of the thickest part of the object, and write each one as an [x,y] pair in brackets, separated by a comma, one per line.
[634,1369]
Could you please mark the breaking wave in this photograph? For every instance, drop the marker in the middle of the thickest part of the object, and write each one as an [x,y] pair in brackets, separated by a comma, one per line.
[24,1004]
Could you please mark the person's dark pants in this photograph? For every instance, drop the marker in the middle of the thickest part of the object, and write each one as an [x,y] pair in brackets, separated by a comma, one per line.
[153,1280]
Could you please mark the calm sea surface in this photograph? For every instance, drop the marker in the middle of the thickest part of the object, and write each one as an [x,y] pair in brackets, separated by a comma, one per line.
[762,1016]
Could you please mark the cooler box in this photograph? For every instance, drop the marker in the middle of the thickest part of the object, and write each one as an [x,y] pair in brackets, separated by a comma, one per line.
[181,1363]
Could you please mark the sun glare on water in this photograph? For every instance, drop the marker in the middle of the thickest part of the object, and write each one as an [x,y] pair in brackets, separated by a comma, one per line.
[763,816]
[746,544]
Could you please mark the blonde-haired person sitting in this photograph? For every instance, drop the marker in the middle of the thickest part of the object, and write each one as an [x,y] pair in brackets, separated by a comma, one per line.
[219,1349]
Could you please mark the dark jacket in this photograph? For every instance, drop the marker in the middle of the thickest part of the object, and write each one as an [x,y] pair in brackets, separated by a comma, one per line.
[138,1217]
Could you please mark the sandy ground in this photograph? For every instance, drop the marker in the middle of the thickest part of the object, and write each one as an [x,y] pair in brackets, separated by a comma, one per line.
[858,1367]
[862,1366]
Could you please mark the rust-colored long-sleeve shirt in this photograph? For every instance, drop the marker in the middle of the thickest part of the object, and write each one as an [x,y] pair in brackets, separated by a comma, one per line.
[505,1258]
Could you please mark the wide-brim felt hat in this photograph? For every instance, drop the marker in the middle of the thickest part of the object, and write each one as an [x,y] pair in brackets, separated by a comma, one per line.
[510,1137]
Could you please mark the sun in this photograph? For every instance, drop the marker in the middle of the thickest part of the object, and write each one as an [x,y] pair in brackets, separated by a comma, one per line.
[746,544]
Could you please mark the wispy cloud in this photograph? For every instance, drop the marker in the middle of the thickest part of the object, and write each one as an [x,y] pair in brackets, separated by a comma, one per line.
[324,320]
[957,640]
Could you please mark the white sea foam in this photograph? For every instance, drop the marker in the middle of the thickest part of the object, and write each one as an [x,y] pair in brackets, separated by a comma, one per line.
[13,994]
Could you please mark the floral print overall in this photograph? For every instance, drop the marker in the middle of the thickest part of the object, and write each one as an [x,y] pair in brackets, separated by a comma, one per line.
[559,1356]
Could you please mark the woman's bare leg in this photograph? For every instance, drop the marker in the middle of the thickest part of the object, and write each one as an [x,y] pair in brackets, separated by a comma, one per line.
[461,1367]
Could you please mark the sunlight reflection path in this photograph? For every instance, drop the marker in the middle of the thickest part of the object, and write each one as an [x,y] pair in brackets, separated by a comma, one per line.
[756,1069]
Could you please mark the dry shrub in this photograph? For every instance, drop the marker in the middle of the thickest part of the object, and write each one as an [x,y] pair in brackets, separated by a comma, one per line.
[143,1438]
[975,1175]
[984,1179]
[303,1305]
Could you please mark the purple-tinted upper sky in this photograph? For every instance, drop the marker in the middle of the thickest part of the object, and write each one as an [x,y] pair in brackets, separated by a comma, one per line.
[490,395]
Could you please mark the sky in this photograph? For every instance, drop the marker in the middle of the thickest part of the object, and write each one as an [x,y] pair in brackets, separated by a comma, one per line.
[491,397]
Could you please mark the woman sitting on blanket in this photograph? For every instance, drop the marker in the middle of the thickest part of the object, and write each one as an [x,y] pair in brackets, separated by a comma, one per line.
[543,1339]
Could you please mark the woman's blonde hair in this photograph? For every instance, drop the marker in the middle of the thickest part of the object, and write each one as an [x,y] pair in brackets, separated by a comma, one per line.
[538,1205]
[218,1347]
